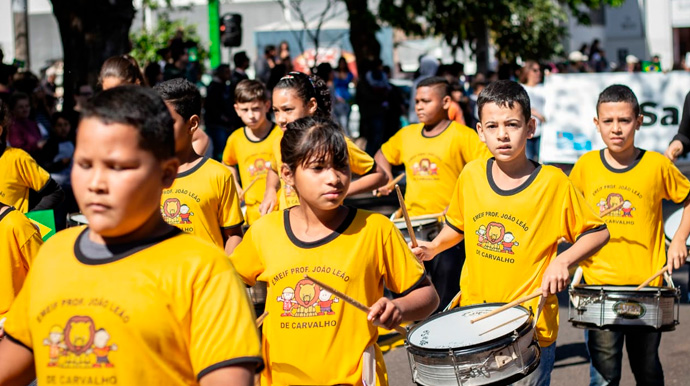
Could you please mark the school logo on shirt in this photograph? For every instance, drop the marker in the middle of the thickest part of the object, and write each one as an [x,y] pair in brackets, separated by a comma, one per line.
[259,167]
[175,213]
[424,167]
[307,299]
[493,237]
[623,207]
[79,344]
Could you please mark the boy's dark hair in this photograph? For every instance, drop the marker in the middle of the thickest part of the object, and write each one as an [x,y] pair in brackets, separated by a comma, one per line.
[240,59]
[505,93]
[437,82]
[269,48]
[308,87]
[57,115]
[250,91]
[182,94]
[619,93]
[123,67]
[140,108]
[313,138]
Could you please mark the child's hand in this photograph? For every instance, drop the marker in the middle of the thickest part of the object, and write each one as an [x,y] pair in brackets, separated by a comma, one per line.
[674,150]
[677,253]
[383,191]
[424,250]
[267,205]
[555,278]
[385,313]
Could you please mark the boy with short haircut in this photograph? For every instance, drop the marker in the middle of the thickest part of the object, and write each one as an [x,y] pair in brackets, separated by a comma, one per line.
[129,299]
[434,153]
[630,183]
[250,148]
[512,211]
[203,199]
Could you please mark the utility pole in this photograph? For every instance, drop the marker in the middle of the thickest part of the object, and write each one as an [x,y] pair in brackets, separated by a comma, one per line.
[20,13]
[214,32]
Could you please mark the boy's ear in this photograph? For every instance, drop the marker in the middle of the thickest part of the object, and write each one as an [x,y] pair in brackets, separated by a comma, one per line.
[446,102]
[480,132]
[169,171]
[640,119]
[312,106]
[194,121]
[268,105]
[236,108]
[287,175]
[531,127]
[596,123]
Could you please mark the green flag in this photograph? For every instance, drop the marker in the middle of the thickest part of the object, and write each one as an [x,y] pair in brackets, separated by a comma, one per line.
[45,221]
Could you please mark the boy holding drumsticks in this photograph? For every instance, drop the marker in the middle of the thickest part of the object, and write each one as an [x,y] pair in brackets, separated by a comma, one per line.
[512,211]
[630,184]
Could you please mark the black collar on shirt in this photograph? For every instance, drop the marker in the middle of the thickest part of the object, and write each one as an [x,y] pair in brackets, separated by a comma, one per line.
[625,169]
[434,136]
[313,244]
[9,209]
[120,251]
[193,169]
[510,192]
[244,131]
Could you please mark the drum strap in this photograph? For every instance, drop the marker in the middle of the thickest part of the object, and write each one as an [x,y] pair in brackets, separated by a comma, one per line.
[540,307]
[369,366]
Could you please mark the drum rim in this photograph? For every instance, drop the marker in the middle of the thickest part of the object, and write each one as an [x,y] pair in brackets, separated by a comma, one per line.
[630,290]
[500,341]
[622,327]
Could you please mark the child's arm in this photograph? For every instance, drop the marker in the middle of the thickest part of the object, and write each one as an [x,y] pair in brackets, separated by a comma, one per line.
[50,196]
[678,250]
[368,182]
[386,168]
[16,364]
[556,275]
[271,193]
[447,238]
[232,238]
[238,375]
[416,305]
[235,178]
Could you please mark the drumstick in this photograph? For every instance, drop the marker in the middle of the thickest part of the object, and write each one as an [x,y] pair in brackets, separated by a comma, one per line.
[422,217]
[502,324]
[507,306]
[646,282]
[389,185]
[350,300]
[609,210]
[260,319]
[413,239]
[248,186]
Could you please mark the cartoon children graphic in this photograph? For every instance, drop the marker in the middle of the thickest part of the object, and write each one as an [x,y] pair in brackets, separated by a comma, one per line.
[627,208]
[325,302]
[101,348]
[482,235]
[602,206]
[508,243]
[184,214]
[56,345]
[288,299]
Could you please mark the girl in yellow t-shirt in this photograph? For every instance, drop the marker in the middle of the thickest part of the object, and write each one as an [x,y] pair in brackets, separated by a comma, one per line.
[352,250]
[295,96]
[19,174]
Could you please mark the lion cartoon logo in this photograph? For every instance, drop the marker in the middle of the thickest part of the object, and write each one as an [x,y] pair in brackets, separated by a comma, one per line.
[613,200]
[79,335]
[495,232]
[306,295]
[171,208]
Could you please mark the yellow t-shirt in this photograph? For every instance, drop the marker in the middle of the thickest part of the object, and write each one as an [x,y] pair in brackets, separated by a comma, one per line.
[311,337]
[19,173]
[202,201]
[637,247]
[20,243]
[253,159]
[165,311]
[512,236]
[432,164]
[360,163]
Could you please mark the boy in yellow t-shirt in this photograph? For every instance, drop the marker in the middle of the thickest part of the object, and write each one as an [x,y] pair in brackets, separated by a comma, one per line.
[250,148]
[434,153]
[512,212]
[630,183]
[203,199]
[20,243]
[129,299]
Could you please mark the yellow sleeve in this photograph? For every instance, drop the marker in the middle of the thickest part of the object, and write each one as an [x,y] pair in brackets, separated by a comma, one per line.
[392,149]
[230,213]
[229,155]
[360,162]
[454,215]
[17,323]
[33,176]
[223,331]
[30,248]
[676,185]
[577,217]
[246,259]
[401,270]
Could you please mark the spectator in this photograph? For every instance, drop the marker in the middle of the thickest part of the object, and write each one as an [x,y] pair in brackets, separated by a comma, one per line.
[378,97]
[24,132]
[266,63]
[531,79]
[632,63]
[153,74]
[343,98]
[119,70]
[277,72]
[56,159]
[217,108]
[577,62]
[178,67]
[284,55]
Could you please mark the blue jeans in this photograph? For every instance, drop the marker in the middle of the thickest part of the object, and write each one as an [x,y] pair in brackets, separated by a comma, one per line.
[541,376]
[444,271]
[606,352]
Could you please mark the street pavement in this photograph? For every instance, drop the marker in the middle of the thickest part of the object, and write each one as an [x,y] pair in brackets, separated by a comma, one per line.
[572,361]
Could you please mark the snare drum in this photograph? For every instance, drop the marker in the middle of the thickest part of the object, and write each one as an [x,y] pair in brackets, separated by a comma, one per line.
[609,307]
[671,225]
[76,219]
[424,230]
[257,293]
[447,349]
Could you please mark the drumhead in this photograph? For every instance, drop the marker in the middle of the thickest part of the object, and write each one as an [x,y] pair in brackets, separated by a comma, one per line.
[622,288]
[671,225]
[453,329]
[415,223]
[78,218]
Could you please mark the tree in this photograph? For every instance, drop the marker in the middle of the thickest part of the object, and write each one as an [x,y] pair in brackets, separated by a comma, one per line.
[91,31]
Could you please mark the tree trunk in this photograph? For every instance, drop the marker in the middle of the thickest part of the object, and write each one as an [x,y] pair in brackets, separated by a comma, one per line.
[482,48]
[91,31]
[363,27]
